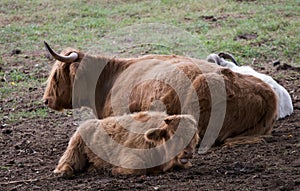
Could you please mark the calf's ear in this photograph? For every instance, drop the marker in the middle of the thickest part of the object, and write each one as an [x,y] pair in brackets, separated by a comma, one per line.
[156,134]
[168,120]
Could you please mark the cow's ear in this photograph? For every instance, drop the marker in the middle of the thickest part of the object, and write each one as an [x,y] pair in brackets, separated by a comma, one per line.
[156,134]
[73,68]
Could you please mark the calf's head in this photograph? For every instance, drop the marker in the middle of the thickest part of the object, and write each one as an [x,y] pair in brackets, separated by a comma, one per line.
[187,138]
[58,92]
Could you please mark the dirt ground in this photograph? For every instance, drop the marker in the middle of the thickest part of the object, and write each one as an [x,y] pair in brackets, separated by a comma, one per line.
[31,147]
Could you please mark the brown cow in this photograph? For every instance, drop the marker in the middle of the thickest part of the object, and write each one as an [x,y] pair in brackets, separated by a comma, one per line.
[89,146]
[164,83]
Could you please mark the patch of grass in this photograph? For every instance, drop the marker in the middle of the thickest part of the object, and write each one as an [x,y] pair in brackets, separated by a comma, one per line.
[82,23]
[23,114]
[4,168]
[6,89]
[17,81]
[17,76]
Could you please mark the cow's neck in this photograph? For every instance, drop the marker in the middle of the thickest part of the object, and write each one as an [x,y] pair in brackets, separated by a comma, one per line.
[99,74]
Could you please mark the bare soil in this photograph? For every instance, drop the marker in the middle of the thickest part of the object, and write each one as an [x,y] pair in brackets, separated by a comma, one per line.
[31,147]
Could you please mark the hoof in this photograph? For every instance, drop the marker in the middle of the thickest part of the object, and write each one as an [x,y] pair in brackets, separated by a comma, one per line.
[65,171]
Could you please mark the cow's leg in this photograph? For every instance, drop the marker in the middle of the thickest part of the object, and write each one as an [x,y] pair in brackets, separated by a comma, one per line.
[126,171]
[129,159]
[241,140]
[250,136]
[95,161]
[74,158]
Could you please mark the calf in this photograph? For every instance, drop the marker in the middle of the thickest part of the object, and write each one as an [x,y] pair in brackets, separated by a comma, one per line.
[159,143]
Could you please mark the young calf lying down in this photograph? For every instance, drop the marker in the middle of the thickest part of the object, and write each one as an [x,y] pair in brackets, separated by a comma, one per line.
[285,105]
[139,143]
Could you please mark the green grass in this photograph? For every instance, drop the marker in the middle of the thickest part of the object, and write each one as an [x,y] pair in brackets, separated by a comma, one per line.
[27,114]
[6,168]
[83,24]
[22,114]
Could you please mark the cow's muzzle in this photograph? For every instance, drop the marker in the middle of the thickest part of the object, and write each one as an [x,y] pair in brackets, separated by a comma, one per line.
[46,101]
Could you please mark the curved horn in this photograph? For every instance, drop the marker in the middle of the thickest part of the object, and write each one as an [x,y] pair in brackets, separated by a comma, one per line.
[226,55]
[214,58]
[70,58]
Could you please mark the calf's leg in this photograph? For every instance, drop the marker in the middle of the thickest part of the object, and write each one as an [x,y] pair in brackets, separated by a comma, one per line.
[74,159]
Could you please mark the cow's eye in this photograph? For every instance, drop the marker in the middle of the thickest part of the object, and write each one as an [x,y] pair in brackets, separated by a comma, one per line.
[55,77]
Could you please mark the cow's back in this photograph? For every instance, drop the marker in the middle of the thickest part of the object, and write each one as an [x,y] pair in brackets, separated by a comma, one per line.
[165,83]
[154,82]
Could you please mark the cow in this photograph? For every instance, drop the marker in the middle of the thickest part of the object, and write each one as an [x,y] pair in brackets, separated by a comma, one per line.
[285,104]
[171,83]
[88,148]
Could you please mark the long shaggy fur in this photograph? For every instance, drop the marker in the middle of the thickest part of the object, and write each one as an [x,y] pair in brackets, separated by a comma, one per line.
[88,141]
[285,104]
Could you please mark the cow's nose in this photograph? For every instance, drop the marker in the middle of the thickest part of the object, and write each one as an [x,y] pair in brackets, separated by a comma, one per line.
[46,101]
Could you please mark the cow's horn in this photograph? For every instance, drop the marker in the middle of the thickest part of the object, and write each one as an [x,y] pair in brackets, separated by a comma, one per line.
[214,58]
[70,58]
[226,55]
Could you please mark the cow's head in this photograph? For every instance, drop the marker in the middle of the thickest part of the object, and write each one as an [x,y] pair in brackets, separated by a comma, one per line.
[58,92]
[220,59]
[161,135]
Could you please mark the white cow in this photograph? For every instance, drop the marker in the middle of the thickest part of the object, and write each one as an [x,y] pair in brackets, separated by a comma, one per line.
[285,104]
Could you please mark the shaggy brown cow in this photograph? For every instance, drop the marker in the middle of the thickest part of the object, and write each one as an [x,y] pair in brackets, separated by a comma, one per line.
[58,96]
[89,146]
[164,83]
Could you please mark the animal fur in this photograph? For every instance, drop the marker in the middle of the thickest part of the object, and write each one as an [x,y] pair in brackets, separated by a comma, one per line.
[89,146]
[285,104]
